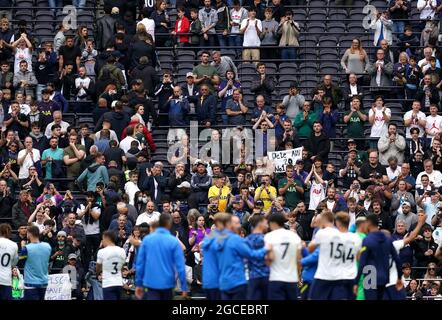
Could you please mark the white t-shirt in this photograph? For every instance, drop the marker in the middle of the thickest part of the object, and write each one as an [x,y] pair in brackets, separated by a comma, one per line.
[286,246]
[317,194]
[398,245]
[414,124]
[28,162]
[112,259]
[125,143]
[251,38]
[235,16]
[90,228]
[131,188]
[150,26]
[435,176]
[379,127]
[8,259]
[148,218]
[48,131]
[433,125]
[337,254]
[393,174]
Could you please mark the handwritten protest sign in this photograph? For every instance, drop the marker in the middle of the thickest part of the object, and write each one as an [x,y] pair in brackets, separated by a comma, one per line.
[59,287]
[280,159]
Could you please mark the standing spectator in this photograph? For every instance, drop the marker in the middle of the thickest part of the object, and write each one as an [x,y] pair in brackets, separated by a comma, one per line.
[223,64]
[399,10]
[262,83]
[208,17]
[95,173]
[330,90]
[269,35]
[328,118]
[433,123]
[206,107]
[52,160]
[178,108]
[182,26]
[6,76]
[415,119]
[147,22]
[355,119]
[105,29]
[380,72]
[236,109]
[251,28]
[69,55]
[293,102]
[391,144]
[45,68]
[318,143]
[427,93]
[200,184]
[383,27]
[206,73]
[291,188]
[378,116]
[195,28]
[117,118]
[162,24]
[427,9]
[24,80]
[304,120]
[237,15]
[289,31]
[146,72]
[27,158]
[355,60]
[223,23]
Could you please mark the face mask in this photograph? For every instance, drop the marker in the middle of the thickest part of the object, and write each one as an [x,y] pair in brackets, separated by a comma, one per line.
[61,243]
[140,199]
[144,200]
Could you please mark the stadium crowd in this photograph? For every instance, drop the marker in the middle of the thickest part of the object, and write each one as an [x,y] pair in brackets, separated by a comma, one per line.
[92,199]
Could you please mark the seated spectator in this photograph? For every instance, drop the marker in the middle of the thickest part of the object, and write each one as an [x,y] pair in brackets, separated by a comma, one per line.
[205,73]
[415,119]
[425,63]
[262,83]
[330,90]
[318,143]
[391,144]
[179,183]
[150,216]
[58,119]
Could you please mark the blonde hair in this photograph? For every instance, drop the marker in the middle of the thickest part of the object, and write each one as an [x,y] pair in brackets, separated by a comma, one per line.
[362,53]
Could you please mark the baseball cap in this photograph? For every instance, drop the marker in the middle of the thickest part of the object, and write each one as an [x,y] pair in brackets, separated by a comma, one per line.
[189,74]
[406,203]
[351,141]
[350,151]
[259,203]
[115,10]
[299,161]
[72,256]
[184,184]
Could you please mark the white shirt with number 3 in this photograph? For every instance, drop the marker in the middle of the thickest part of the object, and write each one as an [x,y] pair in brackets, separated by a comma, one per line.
[286,245]
[112,259]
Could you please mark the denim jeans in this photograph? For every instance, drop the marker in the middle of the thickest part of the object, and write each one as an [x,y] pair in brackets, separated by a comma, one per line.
[288,54]
[53,4]
[79,4]
[236,41]
[222,40]
[398,27]
[38,90]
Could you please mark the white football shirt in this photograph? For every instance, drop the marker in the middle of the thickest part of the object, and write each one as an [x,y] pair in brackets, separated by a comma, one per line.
[8,259]
[112,259]
[337,254]
[398,245]
[286,247]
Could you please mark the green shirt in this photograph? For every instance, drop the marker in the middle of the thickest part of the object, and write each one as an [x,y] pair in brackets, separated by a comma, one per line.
[73,170]
[304,127]
[361,294]
[355,127]
[16,292]
[202,70]
[291,196]
[56,154]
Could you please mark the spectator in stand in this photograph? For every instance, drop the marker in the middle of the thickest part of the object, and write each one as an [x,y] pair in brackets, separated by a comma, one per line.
[269,35]
[427,93]
[399,10]
[195,28]
[304,121]
[263,84]
[182,26]
[206,107]
[146,72]
[427,9]
[355,60]
[415,119]
[236,110]
[435,176]
[73,155]
[383,27]
[291,188]
[83,91]
[147,22]
[45,68]
[289,31]
[318,143]
[370,169]
[391,144]
[330,90]
[179,183]
[117,118]
[95,173]
[237,15]
[328,118]
[206,73]
[24,80]
[294,101]
[208,17]
[162,24]
[6,76]
[105,29]
[380,72]
[433,123]
[223,64]
[222,24]
[251,28]
[378,116]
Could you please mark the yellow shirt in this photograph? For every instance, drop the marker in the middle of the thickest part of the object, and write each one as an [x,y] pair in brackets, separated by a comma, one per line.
[264,196]
[223,198]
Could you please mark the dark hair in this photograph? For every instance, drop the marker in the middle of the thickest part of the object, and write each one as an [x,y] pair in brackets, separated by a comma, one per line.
[165,220]
[372,219]
[5,230]
[55,126]
[34,231]
[277,218]
[392,124]
[110,235]
[255,220]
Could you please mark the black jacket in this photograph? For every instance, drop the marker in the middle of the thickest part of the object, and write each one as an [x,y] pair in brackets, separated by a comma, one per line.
[6,204]
[265,88]
[347,95]
[318,146]
[149,185]
[149,76]
[118,120]
[206,111]
[139,49]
